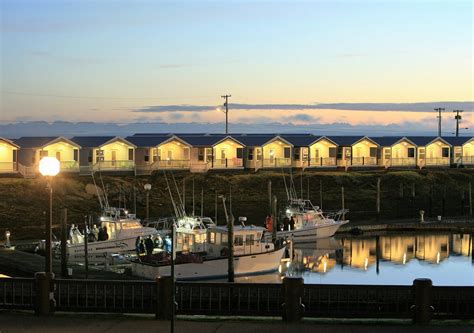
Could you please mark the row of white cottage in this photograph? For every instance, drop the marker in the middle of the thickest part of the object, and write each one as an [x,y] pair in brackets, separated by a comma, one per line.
[148,152]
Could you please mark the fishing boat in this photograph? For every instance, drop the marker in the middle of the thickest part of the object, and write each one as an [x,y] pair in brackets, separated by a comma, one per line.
[120,232]
[306,222]
[309,221]
[252,255]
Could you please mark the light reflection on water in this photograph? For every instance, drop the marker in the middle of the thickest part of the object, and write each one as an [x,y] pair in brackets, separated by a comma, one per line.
[446,259]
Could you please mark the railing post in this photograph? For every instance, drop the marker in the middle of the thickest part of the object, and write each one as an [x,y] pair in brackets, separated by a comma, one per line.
[226,162]
[422,297]
[292,291]
[164,295]
[44,290]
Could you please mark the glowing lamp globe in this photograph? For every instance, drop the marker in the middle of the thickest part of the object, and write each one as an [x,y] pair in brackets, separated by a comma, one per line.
[49,166]
[147,187]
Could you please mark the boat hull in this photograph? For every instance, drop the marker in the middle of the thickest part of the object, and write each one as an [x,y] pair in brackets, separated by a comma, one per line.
[213,268]
[97,252]
[311,233]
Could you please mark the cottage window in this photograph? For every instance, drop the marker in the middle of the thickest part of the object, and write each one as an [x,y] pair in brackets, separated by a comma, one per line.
[287,152]
[316,153]
[146,155]
[339,152]
[239,152]
[99,155]
[250,154]
[43,153]
[15,154]
[212,238]
[186,153]
[224,239]
[457,152]
[89,155]
[201,152]
[259,154]
[332,152]
[58,155]
[76,155]
[249,240]
[411,152]
[210,154]
[387,153]
[296,154]
[445,152]
[130,154]
[304,153]
[239,240]
[421,153]
[373,151]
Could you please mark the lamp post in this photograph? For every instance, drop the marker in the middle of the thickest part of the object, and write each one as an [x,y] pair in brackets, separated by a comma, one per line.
[49,167]
[147,188]
[7,240]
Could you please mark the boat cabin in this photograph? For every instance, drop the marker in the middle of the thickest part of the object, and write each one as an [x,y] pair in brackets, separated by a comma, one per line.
[247,240]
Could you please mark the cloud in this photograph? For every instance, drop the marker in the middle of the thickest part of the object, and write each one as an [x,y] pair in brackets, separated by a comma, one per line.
[467,106]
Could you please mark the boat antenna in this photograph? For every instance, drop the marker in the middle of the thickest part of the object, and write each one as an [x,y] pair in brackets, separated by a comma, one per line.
[97,190]
[181,206]
[286,186]
[106,199]
[171,195]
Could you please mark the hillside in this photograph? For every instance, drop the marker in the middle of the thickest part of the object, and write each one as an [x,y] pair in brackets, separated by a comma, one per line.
[23,201]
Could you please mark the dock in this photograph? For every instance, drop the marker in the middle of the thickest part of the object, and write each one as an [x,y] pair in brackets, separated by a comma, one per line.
[23,264]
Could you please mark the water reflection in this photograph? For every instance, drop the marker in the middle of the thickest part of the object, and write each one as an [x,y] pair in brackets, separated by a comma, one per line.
[386,259]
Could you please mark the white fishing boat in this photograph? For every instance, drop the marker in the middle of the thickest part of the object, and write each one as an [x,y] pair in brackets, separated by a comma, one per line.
[252,255]
[120,231]
[309,222]
[191,231]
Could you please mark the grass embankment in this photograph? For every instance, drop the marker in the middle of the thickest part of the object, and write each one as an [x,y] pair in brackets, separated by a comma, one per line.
[23,201]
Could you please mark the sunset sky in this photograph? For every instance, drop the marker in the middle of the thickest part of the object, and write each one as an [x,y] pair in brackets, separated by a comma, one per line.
[110,61]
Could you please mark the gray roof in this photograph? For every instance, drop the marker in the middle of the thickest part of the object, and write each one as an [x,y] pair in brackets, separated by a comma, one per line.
[422,140]
[91,141]
[457,140]
[37,141]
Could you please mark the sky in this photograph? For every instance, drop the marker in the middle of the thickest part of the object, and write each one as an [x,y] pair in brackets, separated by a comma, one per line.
[127,61]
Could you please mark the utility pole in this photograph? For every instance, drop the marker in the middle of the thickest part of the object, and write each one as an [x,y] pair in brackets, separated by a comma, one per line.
[439,119]
[226,104]
[458,119]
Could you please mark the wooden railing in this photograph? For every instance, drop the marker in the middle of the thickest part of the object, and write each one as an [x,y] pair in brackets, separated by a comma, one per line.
[118,165]
[240,299]
[223,163]
[275,162]
[7,167]
[322,162]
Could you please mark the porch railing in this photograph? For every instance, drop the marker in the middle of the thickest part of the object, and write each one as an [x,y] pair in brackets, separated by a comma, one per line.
[467,160]
[322,162]
[8,167]
[27,171]
[171,164]
[276,162]
[222,163]
[364,161]
[404,161]
[435,161]
[118,165]
[69,166]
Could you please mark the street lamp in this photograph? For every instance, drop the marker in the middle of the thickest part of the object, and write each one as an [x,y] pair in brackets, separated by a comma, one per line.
[7,241]
[49,167]
[147,188]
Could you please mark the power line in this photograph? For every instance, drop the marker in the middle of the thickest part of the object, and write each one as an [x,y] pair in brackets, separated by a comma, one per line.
[226,104]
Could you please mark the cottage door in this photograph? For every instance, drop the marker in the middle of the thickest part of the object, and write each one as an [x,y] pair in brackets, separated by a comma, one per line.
[114,157]
[169,157]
